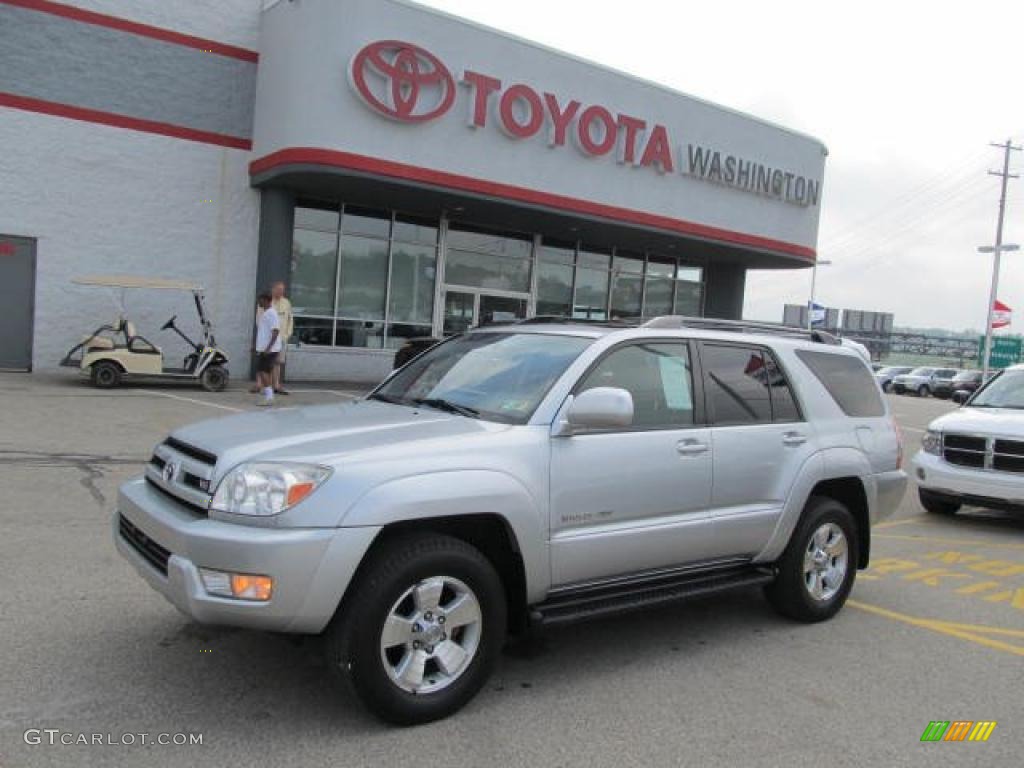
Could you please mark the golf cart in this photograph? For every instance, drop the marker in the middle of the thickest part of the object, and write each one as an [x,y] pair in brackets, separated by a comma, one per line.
[116,352]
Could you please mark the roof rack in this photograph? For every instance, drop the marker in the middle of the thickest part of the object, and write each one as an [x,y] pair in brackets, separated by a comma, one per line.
[540,319]
[739,326]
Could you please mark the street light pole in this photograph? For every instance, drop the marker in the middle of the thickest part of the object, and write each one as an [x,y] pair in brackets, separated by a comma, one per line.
[814,280]
[997,250]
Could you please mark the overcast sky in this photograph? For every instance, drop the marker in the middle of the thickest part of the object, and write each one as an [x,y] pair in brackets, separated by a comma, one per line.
[906,95]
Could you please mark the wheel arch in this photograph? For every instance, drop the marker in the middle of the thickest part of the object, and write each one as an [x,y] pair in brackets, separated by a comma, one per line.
[850,492]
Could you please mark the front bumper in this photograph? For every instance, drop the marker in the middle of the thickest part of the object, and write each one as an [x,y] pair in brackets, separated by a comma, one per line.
[970,485]
[311,567]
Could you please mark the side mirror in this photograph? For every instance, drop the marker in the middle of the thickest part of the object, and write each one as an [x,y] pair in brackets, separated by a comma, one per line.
[960,396]
[601,408]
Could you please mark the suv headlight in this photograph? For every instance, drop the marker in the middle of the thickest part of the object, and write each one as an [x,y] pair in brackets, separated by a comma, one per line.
[264,489]
[932,442]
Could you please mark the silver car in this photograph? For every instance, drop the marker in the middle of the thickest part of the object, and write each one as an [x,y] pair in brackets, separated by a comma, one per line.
[521,476]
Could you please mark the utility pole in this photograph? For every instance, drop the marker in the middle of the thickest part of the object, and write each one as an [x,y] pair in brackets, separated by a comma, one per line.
[997,250]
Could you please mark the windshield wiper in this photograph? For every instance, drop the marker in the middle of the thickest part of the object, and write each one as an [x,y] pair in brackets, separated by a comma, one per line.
[388,399]
[447,405]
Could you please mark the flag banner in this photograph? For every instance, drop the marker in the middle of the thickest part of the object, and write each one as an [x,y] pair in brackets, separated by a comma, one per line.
[1001,315]
[817,312]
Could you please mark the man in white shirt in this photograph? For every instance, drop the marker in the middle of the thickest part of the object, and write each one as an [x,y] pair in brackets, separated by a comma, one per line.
[268,347]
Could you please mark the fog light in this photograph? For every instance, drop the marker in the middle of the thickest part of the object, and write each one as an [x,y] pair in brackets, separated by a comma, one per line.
[241,586]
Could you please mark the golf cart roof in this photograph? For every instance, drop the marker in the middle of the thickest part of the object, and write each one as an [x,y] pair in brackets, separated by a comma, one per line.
[133,281]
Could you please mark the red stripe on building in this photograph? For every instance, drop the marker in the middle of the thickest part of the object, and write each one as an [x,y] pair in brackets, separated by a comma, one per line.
[362,163]
[135,28]
[121,121]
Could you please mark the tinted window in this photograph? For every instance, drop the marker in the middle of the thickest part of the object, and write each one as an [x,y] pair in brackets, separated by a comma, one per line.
[736,385]
[656,375]
[848,380]
[784,407]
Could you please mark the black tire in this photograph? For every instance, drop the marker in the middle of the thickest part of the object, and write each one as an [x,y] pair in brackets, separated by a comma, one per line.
[937,505]
[923,391]
[789,594]
[105,374]
[353,639]
[887,387]
[214,378]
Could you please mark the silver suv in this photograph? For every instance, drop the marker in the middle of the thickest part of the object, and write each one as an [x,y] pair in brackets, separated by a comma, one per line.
[520,476]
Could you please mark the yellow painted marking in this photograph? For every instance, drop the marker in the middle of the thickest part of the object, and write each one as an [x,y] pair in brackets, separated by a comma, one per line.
[893,565]
[998,568]
[953,558]
[942,627]
[1016,598]
[981,586]
[931,576]
[941,540]
[894,523]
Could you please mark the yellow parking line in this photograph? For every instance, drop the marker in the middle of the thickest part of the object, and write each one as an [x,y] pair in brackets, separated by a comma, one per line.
[943,540]
[942,627]
[893,523]
[983,629]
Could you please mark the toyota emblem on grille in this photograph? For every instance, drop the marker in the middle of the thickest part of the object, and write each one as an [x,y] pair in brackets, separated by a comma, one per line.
[169,470]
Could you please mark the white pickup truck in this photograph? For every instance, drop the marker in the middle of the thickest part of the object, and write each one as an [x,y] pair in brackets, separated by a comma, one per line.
[975,455]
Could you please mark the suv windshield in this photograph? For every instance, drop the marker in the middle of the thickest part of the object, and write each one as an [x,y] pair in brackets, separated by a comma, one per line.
[1004,391]
[495,376]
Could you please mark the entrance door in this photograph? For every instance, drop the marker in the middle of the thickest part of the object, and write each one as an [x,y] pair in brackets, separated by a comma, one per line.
[17,297]
[465,309]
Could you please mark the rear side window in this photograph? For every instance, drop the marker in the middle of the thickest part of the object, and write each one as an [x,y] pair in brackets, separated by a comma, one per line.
[847,380]
[736,385]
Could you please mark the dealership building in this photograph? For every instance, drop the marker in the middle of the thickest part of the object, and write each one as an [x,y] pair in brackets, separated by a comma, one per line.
[406,173]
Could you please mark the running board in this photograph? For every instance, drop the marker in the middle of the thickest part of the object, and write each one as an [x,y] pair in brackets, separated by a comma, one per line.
[579,605]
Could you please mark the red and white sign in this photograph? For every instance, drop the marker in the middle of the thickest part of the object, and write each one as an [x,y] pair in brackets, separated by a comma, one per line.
[1002,315]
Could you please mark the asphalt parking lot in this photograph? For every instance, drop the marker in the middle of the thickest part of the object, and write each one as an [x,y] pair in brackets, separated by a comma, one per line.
[933,631]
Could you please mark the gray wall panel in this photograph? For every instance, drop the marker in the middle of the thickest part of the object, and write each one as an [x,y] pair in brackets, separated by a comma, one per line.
[43,56]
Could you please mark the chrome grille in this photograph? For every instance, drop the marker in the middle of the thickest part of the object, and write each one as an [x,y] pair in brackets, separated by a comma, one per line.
[183,471]
[980,452]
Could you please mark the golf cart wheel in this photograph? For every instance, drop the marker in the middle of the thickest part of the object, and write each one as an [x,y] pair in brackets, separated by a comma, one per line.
[214,378]
[923,391]
[105,374]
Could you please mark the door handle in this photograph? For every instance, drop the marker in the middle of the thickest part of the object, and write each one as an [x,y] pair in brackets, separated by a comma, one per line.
[793,438]
[691,447]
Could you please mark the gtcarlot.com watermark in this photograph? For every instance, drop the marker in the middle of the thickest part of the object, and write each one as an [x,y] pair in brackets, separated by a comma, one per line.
[57,737]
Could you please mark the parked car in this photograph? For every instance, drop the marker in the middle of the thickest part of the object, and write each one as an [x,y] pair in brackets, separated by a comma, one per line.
[519,476]
[921,381]
[885,375]
[965,381]
[975,455]
[412,348]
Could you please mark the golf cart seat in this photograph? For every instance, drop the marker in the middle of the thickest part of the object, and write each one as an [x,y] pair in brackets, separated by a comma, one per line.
[139,344]
[90,343]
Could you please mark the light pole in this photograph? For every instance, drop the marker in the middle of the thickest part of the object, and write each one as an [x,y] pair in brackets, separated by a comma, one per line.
[814,280]
[998,250]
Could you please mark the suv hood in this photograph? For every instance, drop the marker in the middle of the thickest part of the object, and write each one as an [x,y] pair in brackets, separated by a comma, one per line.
[323,430]
[1001,422]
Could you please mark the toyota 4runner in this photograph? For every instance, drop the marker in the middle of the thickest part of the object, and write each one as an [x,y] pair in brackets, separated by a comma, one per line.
[519,476]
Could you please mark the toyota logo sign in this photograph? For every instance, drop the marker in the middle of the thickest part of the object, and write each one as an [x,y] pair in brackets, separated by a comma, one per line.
[402,81]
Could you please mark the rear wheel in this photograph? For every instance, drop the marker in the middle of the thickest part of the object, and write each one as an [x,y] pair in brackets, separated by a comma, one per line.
[105,374]
[937,505]
[923,391]
[214,378]
[421,630]
[817,569]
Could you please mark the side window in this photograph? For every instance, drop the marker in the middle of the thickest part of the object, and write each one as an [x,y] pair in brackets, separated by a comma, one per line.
[736,385]
[847,380]
[658,377]
[784,407]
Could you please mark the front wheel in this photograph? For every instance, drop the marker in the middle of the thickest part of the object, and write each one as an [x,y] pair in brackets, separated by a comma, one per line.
[887,387]
[923,391]
[936,505]
[421,629]
[214,378]
[817,569]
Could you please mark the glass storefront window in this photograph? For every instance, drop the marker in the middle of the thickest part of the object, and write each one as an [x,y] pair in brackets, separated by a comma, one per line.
[465,238]
[366,221]
[413,271]
[689,291]
[592,285]
[487,270]
[359,333]
[413,230]
[321,219]
[554,279]
[363,277]
[628,285]
[314,268]
[314,331]
[658,293]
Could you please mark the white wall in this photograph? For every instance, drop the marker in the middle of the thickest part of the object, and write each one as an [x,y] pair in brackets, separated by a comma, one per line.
[110,200]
